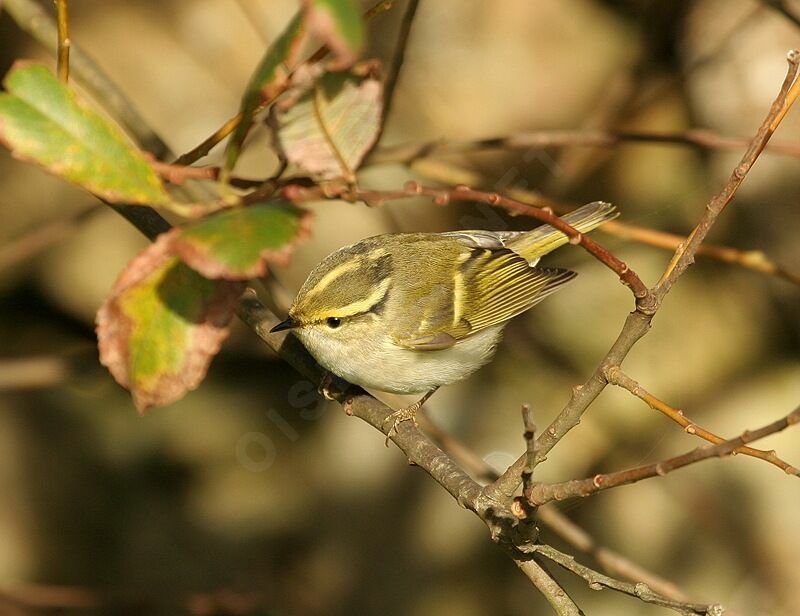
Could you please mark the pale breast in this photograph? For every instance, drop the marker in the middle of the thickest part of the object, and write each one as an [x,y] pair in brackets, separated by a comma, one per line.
[378,363]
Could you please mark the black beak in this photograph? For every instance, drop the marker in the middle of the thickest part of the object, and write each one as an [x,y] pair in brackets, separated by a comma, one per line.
[289,323]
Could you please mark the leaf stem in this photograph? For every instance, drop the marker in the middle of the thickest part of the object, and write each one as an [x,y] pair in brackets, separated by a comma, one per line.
[62,9]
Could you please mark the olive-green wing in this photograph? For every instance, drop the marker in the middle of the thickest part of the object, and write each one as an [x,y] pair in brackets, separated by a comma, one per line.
[504,285]
[489,287]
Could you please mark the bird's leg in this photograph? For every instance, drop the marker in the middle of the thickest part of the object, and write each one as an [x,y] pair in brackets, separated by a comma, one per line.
[406,414]
[333,387]
[325,386]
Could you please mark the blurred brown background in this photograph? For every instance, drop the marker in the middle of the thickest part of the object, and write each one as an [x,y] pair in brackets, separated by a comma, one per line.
[254,490]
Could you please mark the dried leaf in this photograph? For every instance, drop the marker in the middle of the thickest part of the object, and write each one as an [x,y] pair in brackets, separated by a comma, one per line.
[42,121]
[330,128]
[338,23]
[162,324]
[237,244]
[264,83]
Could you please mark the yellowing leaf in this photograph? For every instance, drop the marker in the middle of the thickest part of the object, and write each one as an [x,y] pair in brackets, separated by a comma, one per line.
[162,324]
[238,243]
[330,128]
[42,121]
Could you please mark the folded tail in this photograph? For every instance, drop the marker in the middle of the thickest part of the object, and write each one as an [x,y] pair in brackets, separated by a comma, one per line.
[544,239]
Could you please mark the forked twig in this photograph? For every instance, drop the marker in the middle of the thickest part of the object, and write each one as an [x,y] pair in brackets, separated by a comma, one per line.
[638,322]
[542,493]
[204,147]
[617,377]
[640,590]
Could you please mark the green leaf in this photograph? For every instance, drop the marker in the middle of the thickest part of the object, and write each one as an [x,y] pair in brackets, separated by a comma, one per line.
[329,130]
[42,121]
[338,23]
[162,324]
[265,82]
[237,244]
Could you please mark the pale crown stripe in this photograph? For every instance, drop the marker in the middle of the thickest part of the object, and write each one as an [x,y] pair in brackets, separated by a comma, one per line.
[344,268]
[367,303]
[332,275]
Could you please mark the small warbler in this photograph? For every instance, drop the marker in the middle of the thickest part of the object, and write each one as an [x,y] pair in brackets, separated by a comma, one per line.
[409,312]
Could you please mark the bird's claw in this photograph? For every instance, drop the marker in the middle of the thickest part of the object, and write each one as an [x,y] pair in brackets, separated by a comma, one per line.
[398,417]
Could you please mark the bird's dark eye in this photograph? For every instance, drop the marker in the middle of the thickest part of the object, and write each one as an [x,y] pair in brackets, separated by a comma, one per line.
[333,322]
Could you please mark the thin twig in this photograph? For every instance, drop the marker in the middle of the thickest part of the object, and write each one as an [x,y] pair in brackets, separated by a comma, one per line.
[611,561]
[443,196]
[755,260]
[204,147]
[703,138]
[461,453]
[42,371]
[37,22]
[781,7]
[637,323]
[617,377]
[559,600]
[395,67]
[640,590]
[62,10]
[530,446]
[542,493]
[33,242]
[419,450]
[684,256]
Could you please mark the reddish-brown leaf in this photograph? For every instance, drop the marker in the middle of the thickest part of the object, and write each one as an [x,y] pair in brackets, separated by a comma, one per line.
[162,324]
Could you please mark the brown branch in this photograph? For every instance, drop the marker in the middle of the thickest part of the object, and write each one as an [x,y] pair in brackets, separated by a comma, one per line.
[514,207]
[542,493]
[556,596]
[754,260]
[609,560]
[612,562]
[57,598]
[476,466]
[698,137]
[43,371]
[62,9]
[781,7]
[33,242]
[616,376]
[412,442]
[684,256]
[203,148]
[638,322]
[640,590]
[449,173]
[395,67]
[530,446]
[442,196]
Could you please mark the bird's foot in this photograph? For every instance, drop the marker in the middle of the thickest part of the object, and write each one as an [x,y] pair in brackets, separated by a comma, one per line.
[333,387]
[407,414]
[324,388]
